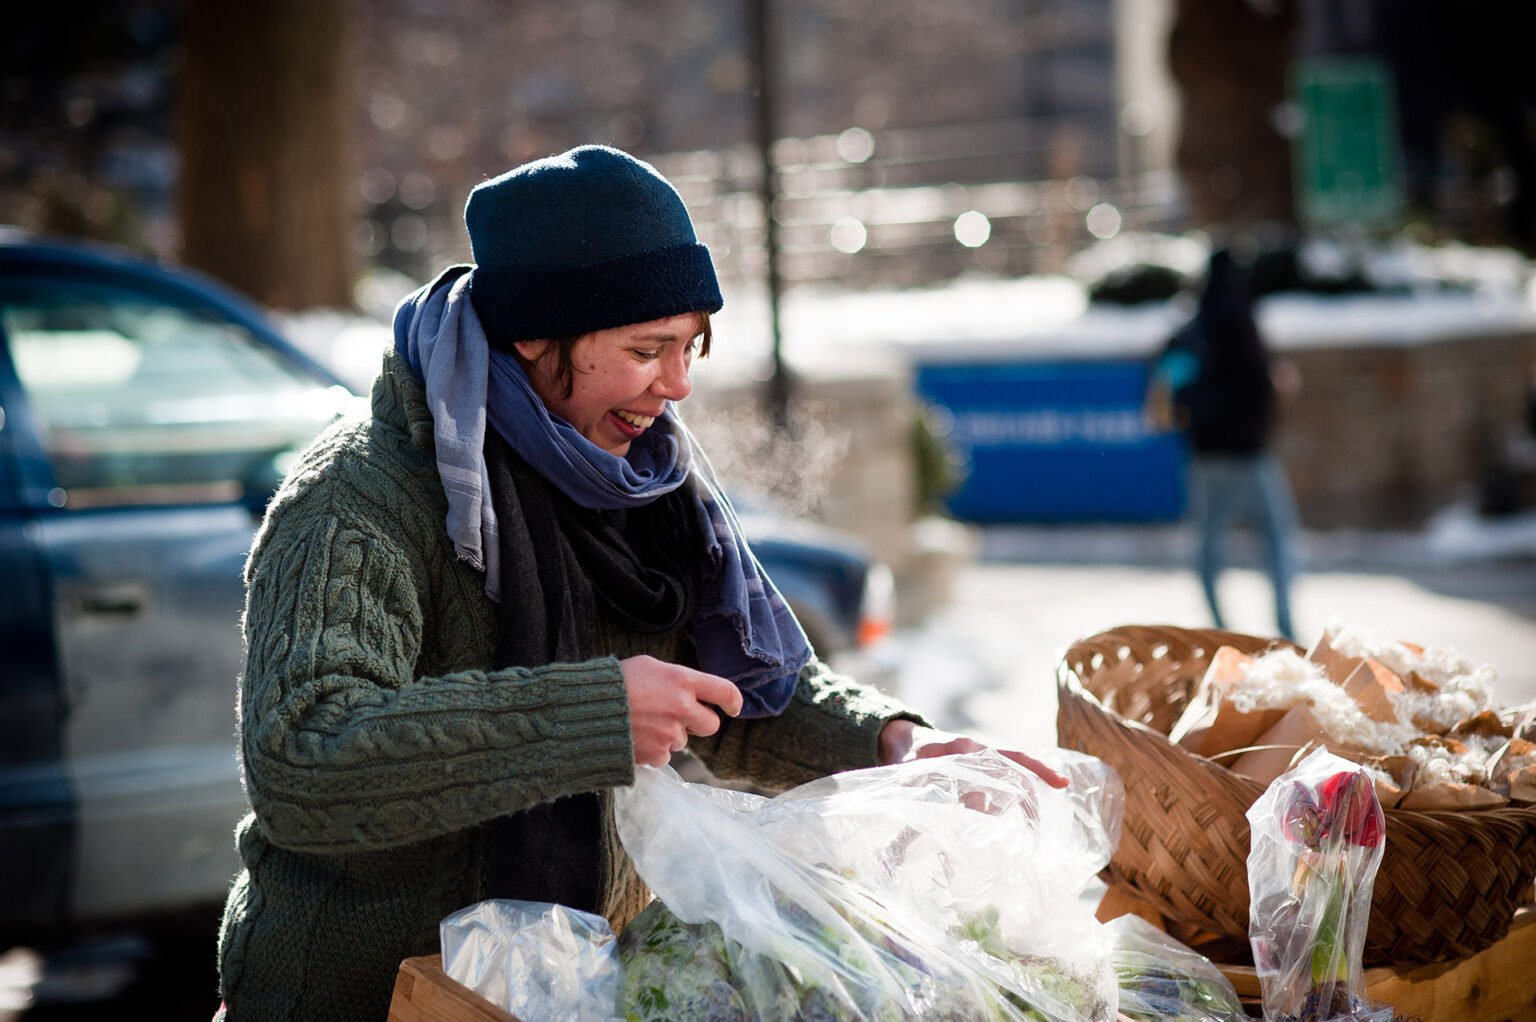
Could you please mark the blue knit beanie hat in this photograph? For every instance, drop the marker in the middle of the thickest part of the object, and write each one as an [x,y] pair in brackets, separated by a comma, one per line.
[590,239]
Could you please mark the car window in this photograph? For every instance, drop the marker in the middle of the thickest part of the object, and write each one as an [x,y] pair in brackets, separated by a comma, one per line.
[140,401]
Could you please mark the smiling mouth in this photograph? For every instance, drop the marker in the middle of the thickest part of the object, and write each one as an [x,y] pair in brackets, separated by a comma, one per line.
[637,421]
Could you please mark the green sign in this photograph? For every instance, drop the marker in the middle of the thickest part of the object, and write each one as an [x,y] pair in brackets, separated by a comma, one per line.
[1347,152]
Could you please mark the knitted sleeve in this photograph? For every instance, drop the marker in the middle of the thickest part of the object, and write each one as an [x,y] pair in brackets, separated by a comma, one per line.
[344,747]
[833,723]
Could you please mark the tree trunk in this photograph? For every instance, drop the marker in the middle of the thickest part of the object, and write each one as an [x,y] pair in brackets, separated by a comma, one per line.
[265,155]
[1231,63]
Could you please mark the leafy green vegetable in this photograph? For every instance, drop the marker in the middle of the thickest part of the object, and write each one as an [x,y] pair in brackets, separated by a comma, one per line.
[676,970]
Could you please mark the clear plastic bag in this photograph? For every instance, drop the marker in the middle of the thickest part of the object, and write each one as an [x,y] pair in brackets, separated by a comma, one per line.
[541,962]
[1161,978]
[936,889]
[1318,834]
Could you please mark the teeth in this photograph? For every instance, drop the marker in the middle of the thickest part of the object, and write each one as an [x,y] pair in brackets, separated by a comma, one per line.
[638,421]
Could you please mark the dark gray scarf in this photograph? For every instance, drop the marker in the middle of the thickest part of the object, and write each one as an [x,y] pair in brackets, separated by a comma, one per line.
[632,567]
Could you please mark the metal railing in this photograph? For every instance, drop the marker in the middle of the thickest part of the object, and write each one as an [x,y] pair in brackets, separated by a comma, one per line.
[918,206]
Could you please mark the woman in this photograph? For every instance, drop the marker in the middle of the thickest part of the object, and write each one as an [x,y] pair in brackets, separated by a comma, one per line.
[470,616]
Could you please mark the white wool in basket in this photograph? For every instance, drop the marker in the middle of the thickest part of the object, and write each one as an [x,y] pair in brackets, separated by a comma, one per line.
[1281,679]
[1438,765]
[1459,698]
[1465,690]
[1438,665]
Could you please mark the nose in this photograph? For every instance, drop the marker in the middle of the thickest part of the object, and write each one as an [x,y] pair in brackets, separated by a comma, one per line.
[673,382]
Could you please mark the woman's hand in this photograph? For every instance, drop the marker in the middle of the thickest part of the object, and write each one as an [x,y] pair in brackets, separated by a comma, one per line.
[903,740]
[669,702]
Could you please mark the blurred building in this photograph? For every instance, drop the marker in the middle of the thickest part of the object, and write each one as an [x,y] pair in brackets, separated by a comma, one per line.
[87,144]
[919,139]
[1463,93]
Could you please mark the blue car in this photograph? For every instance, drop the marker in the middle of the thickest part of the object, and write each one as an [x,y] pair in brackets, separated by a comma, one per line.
[146,416]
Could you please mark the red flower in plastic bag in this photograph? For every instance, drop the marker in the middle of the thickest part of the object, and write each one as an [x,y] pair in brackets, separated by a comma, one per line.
[1302,822]
[1335,829]
[1349,808]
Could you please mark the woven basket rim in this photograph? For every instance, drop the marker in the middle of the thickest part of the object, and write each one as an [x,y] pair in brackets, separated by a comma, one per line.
[1186,814]
[1068,680]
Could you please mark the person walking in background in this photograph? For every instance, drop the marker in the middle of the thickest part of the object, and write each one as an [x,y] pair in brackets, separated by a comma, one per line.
[1216,381]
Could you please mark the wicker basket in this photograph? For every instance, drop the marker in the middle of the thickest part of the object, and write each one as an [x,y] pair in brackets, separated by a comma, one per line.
[1449,882]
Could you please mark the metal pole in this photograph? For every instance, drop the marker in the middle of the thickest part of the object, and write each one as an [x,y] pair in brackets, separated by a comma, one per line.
[767,132]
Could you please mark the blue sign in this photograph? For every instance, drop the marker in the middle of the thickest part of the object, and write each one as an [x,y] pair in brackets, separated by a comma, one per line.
[1056,442]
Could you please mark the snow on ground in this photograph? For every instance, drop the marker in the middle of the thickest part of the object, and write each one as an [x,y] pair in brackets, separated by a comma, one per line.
[829,332]
[984,660]
[1295,321]
[1457,535]
[350,345]
[1443,291]
[1050,317]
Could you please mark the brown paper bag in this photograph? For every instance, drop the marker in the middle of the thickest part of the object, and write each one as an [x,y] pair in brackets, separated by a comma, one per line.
[1452,796]
[1400,772]
[1513,772]
[1279,745]
[1210,723]
[1484,725]
[1388,792]
[1450,745]
[1522,721]
[1517,752]
[1367,681]
[1335,665]
[1370,685]
[1522,784]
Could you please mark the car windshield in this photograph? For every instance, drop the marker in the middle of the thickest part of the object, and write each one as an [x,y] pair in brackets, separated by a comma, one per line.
[138,397]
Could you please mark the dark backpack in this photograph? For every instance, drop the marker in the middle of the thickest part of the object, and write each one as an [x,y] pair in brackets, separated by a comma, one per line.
[1178,373]
[1224,399]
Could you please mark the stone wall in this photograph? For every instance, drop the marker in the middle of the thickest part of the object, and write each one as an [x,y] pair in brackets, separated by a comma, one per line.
[1383,436]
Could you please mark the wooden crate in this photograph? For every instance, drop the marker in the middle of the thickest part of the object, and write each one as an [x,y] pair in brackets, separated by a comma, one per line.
[424,993]
[1498,984]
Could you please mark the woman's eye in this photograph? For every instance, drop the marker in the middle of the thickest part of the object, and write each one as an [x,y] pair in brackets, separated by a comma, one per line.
[646,356]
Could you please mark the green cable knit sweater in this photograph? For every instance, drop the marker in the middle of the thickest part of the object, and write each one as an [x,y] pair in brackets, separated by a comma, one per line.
[376,742]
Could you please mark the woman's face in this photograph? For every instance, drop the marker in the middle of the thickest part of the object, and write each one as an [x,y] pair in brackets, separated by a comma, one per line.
[622,378]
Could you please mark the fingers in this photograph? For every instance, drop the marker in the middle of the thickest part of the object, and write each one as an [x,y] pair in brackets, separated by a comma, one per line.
[669,702]
[712,689]
[1033,765]
[656,746]
[701,721]
[929,742]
